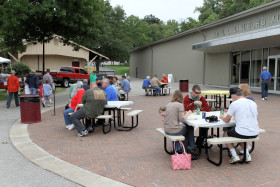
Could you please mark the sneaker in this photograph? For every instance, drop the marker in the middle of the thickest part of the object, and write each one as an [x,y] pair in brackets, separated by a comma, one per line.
[234,160]
[71,127]
[248,158]
[49,105]
[242,151]
[82,133]
[263,99]
[90,129]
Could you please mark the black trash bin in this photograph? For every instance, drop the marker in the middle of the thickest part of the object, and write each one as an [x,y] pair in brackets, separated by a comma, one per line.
[184,85]
[30,109]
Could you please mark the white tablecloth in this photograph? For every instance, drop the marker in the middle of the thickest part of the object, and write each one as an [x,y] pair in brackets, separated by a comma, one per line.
[118,104]
[197,121]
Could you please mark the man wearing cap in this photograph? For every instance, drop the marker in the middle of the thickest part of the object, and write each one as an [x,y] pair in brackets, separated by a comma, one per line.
[33,82]
[94,101]
[13,88]
[265,79]
[73,104]
[246,117]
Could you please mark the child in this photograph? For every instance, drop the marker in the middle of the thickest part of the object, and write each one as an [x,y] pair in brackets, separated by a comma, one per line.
[161,111]
[47,92]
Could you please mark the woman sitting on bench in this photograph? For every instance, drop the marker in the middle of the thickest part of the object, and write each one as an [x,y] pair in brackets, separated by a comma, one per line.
[174,116]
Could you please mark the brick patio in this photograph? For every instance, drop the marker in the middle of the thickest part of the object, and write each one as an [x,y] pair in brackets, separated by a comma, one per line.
[138,158]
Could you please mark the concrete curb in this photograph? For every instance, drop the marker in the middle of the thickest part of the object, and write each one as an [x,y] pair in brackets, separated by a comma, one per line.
[21,141]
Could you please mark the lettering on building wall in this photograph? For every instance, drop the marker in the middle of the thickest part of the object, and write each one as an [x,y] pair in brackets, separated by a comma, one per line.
[258,23]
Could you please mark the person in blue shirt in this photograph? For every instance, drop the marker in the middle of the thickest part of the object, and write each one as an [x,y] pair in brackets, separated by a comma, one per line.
[146,82]
[265,78]
[125,88]
[110,90]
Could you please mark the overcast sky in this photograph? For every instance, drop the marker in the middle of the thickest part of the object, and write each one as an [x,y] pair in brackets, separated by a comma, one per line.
[162,9]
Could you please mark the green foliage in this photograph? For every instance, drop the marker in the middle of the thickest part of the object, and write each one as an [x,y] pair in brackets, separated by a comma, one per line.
[20,68]
[120,69]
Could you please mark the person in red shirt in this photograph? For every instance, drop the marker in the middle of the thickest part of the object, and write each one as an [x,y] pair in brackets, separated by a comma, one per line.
[13,88]
[77,99]
[192,102]
[164,79]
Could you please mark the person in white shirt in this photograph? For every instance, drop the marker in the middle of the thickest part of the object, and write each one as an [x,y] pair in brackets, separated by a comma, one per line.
[246,117]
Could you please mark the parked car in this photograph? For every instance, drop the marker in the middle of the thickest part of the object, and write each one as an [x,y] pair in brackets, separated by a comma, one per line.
[68,75]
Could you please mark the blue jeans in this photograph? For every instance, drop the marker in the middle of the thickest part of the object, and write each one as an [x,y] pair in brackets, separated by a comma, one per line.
[67,119]
[33,91]
[11,97]
[264,85]
[157,89]
[188,132]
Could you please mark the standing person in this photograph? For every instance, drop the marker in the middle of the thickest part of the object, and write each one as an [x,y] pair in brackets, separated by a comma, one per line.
[47,92]
[110,90]
[174,116]
[13,89]
[94,101]
[48,77]
[164,79]
[265,79]
[155,84]
[125,87]
[33,82]
[92,77]
[246,116]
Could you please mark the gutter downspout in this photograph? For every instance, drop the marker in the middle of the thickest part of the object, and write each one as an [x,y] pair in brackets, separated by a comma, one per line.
[204,57]
[152,62]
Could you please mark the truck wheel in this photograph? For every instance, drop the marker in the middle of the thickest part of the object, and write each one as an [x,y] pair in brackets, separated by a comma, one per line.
[65,83]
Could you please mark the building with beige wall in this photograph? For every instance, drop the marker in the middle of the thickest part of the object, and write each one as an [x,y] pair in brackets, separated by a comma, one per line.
[224,53]
[57,55]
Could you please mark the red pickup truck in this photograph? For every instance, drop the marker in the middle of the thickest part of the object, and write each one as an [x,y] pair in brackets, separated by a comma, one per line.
[68,75]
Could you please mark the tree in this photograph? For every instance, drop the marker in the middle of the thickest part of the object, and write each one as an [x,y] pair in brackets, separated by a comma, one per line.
[38,20]
[151,19]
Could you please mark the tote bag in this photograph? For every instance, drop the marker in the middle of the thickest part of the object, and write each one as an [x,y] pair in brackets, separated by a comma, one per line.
[181,161]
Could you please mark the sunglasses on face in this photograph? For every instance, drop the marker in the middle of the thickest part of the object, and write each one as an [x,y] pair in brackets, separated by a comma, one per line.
[197,92]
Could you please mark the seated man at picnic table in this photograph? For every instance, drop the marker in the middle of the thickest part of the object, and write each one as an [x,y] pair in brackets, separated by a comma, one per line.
[164,79]
[246,117]
[194,101]
[155,84]
[110,90]
[94,101]
[125,87]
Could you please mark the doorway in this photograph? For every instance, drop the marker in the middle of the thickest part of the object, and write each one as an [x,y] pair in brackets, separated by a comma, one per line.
[273,66]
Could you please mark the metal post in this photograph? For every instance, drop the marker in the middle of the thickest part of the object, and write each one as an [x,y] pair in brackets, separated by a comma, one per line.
[53,87]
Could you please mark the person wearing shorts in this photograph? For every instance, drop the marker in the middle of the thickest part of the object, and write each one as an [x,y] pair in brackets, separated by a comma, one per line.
[246,117]
[47,92]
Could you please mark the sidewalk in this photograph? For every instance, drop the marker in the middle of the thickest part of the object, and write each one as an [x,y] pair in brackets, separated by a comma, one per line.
[137,157]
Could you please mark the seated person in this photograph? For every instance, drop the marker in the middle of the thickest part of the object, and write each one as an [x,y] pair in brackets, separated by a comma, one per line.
[246,116]
[192,102]
[85,84]
[174,116]
[110,90]
[72,105]
[125,87]
[116,82]
[75,91]
[155,84]
[94,101]
[164,79]
[246,91]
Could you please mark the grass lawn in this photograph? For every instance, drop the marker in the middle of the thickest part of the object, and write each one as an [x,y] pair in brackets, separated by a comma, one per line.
[120,69]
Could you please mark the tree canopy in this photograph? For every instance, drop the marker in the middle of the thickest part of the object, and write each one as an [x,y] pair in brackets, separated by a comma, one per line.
[97,25]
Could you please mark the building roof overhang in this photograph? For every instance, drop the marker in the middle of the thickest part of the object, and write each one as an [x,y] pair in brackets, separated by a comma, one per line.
[267,37]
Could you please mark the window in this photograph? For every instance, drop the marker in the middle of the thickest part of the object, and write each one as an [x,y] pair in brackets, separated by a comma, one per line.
[83,71]
[255,67]
[67,69]
[235,68]
[76,70]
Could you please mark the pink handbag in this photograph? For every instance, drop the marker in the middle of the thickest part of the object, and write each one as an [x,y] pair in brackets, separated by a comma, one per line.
[181,161]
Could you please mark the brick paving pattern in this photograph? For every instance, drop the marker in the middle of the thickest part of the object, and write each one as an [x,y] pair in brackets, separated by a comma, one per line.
[138,158]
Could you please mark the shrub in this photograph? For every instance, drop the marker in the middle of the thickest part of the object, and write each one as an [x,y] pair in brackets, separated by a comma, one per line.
[20,68]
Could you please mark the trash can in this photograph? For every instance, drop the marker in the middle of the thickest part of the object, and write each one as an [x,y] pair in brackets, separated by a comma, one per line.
[30,109]
[184,85]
